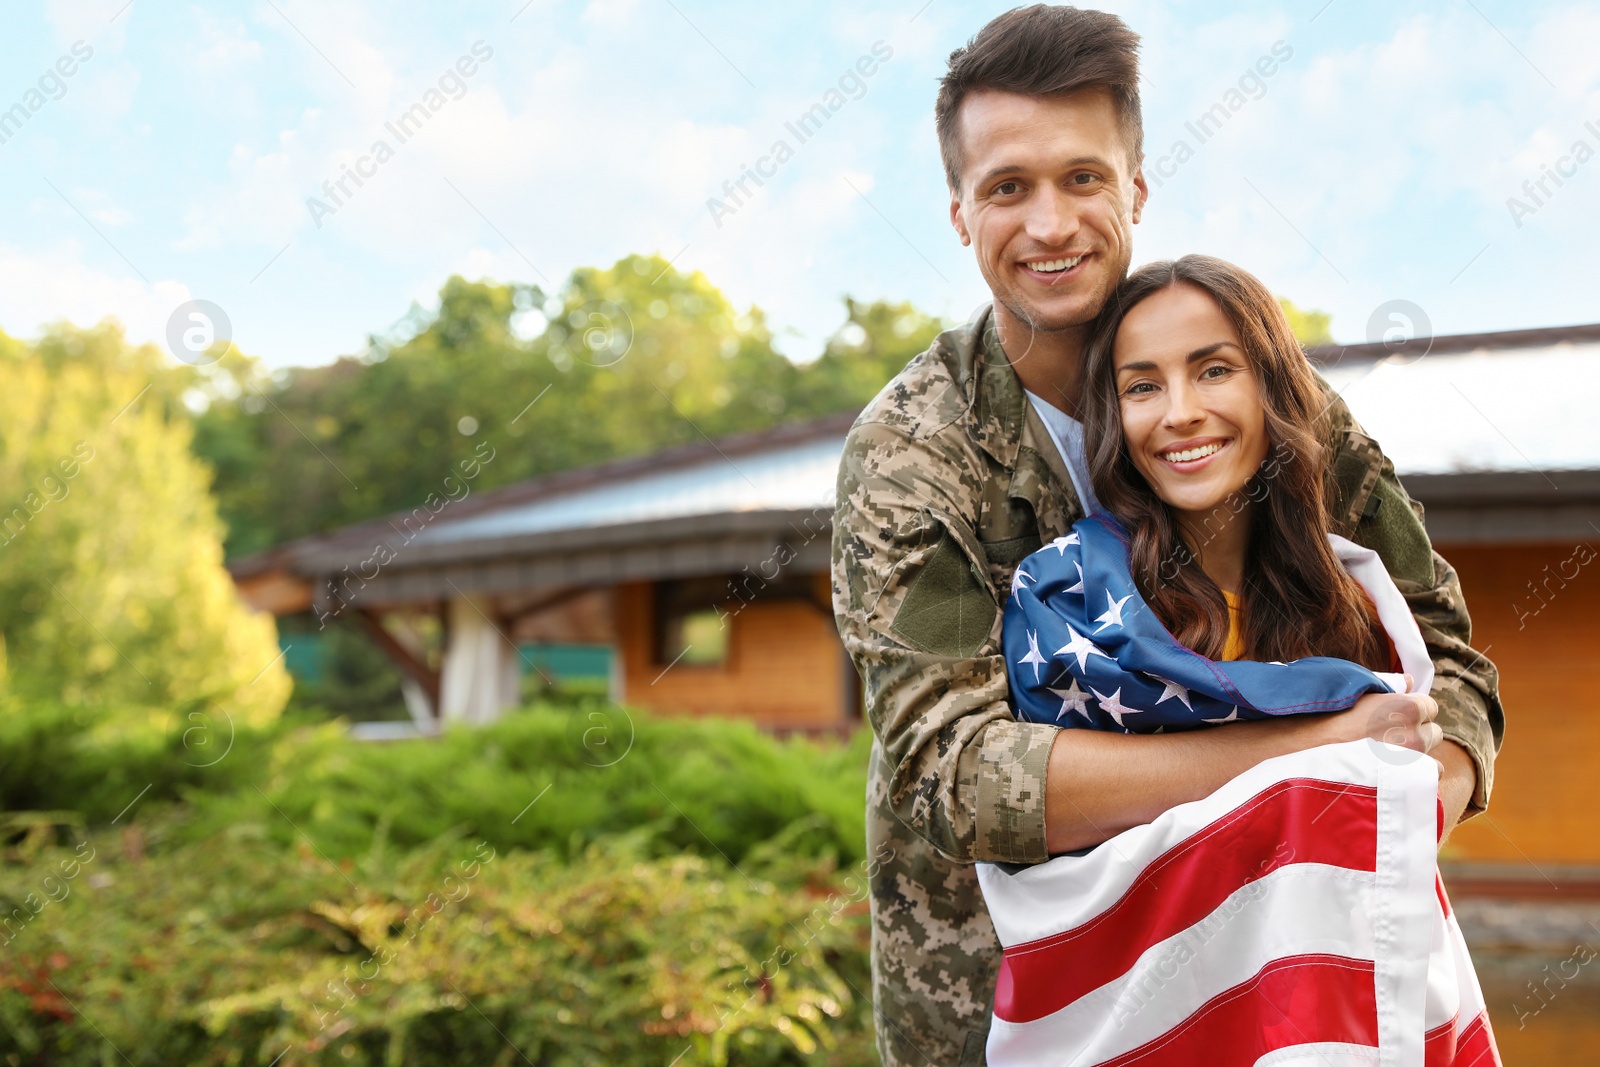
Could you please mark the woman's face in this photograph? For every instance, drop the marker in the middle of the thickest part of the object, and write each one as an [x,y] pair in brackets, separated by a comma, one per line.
[1190,402]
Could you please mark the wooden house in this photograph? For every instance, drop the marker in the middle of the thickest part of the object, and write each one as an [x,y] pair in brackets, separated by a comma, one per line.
[705,568]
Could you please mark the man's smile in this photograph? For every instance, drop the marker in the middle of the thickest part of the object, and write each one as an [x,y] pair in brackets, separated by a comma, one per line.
[1053,271]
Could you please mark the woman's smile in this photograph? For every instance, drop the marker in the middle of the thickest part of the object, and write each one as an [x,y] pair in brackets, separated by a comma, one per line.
[1194,455]
[1191,405]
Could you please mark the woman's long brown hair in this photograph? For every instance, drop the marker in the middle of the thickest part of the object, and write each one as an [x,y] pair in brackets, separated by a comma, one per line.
[1297,598]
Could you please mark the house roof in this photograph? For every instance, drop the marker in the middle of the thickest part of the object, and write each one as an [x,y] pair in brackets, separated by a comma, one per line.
[792,475]
[603,485]
[1518,401]
[1492,432]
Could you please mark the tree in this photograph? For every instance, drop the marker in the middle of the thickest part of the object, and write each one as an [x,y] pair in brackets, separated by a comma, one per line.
[112,587]
[622,361]
[1310,327]
[876,341]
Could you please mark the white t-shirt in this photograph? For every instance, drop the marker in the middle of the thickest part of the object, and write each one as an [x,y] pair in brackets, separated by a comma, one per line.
[1067,434]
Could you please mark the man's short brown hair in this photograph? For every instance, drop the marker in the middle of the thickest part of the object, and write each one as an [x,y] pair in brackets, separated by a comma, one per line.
[1043,50]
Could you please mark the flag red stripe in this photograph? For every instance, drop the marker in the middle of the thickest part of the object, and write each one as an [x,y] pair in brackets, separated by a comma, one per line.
[1276,827]
[1439,1045]
[1296,1000]
[1474,1047]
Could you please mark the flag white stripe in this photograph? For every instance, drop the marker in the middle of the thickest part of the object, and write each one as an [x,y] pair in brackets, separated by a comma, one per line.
[1403,918]
[1321,1054]
[1423,976]
[1066,892]
[1453,989]
[1301,909]
[1367,569]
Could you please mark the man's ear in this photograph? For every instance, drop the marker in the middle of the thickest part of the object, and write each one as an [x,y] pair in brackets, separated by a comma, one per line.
[957,220]
[1141,193]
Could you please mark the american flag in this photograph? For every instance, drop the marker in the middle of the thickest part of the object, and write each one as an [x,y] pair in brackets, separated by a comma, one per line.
[1083,649]
[1295,916]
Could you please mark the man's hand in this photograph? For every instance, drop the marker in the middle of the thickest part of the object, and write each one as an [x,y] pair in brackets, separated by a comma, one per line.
[1458,780]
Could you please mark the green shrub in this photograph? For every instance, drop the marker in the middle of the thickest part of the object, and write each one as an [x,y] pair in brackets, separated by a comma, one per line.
[555,778]
[175,890]
[138,947]
[96,760]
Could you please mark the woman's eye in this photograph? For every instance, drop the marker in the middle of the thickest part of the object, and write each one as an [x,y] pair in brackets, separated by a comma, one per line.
[1216,370]
[1139,388]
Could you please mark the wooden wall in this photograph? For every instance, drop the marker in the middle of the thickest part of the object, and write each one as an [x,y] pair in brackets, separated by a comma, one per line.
[1536,614]
[786,668]
[785,664]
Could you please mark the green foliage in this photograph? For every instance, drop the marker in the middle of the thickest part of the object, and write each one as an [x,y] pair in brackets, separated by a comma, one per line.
[235,950]
[1310,327]
[534,883]
[876,341]
[95,761]
[622,361]
[588,771]
[111,580]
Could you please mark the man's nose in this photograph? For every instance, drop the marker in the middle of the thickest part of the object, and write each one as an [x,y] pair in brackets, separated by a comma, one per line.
[1052,218]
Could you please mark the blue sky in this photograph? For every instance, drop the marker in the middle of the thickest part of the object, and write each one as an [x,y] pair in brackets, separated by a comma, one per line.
[1374,164]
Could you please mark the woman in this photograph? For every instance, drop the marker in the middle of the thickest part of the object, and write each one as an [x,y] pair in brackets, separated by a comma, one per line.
[1205,424]
[1296,909]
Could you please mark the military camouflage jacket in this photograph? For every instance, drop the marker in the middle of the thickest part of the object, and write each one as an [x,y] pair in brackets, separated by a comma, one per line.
[948,480]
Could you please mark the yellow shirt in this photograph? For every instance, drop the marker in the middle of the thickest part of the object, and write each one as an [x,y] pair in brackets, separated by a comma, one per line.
[1233,648]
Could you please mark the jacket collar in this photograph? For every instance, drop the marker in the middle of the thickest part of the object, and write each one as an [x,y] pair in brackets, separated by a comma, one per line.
[996,402]
[1008,429]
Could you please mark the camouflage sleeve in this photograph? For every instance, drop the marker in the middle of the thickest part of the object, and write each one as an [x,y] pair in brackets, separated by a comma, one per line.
[921,620]
[1372,504]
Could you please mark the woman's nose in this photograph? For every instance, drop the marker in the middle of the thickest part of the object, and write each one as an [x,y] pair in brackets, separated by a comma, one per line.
[1183,407]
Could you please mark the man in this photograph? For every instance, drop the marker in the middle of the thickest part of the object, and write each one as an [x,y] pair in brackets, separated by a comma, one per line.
[971,459]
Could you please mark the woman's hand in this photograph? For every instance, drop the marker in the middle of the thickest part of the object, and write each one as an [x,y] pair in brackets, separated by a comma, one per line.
[1403,719]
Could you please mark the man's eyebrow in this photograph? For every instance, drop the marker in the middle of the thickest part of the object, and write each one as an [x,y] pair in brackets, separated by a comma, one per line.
[1016,168]
[1000,172]
[1197,354]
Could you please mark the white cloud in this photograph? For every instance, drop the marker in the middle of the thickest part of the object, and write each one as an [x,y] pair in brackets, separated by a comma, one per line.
[38,288]
[611,14]
[601,129]
[223,47]
[1392,159]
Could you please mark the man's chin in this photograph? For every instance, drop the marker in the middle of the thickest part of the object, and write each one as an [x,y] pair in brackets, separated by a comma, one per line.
[1053,316]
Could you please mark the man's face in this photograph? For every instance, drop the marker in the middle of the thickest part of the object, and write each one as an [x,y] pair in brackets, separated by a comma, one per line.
[1048,199]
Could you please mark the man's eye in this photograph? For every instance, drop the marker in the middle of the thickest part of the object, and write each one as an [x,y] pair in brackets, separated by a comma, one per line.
[1006,188]
[1085,179]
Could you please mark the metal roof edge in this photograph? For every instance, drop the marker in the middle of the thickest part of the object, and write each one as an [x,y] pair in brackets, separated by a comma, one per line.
[1415,348]
[287,555]
[1490,488]
[330,560]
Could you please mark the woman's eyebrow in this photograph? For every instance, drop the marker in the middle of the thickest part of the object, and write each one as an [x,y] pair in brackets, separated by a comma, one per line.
[1208,350]
[1197,354]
